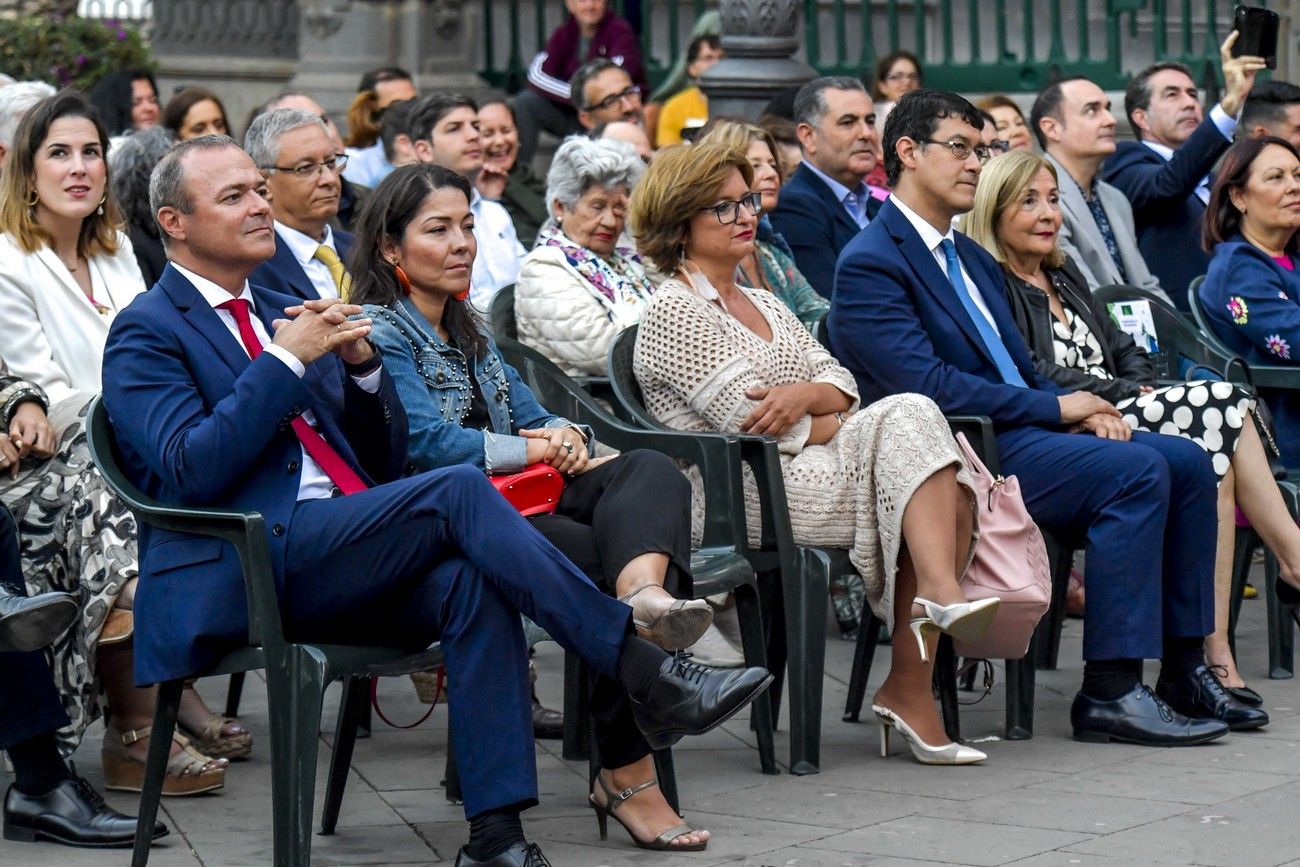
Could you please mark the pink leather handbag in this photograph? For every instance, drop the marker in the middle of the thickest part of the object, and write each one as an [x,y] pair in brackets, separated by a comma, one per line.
[1010,563]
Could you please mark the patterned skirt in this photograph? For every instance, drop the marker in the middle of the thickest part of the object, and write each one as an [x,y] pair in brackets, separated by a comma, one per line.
[1209,414]
[76,537]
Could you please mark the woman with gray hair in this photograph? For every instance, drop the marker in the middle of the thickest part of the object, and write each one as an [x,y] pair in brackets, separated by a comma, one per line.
[131,163]
[582,284]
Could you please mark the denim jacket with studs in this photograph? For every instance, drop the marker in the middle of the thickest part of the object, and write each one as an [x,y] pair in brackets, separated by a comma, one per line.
[432,379]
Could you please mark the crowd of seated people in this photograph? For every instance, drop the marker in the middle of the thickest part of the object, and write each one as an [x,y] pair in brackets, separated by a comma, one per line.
[331,294]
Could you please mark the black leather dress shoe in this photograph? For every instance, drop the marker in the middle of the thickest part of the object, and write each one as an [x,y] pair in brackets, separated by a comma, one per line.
[73,814]
[1139,717]
[1245,695]
[690,699]
[518,855]
[33,622]
[548,725]
[1199,694]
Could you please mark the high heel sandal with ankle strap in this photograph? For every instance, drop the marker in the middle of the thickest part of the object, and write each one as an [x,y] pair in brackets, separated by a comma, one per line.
[613,800]
[964,621]
[948,754]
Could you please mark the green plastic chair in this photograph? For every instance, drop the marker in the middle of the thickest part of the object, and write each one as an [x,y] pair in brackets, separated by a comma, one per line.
[720,564]
[296,674]
[502,311]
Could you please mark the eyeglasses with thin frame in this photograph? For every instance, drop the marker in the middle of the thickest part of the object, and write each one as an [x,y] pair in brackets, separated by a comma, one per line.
[614,99]
[729,212]
[335,163]
[903,76]
[962,151]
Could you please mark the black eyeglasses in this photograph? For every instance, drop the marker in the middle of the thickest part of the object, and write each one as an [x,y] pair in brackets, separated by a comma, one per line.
[729,212]
[614,99]
[962,151]
[335,163]
[999,146]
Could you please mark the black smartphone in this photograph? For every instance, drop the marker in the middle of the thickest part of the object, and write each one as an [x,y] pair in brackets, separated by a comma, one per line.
[1257,31]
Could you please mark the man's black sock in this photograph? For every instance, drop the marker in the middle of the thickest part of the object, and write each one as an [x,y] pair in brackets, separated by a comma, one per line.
[38,767]
[1180,656]
[639,664]
[1109,679]
[493,832]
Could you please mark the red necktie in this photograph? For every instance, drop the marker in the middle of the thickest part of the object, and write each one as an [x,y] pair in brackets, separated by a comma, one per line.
[330,461]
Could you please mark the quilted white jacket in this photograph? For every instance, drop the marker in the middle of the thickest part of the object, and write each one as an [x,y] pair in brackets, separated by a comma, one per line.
[561,318]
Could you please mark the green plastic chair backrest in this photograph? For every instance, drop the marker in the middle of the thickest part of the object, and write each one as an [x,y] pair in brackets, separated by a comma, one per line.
[622,380]
[504,321]
[246,531]
[1183,349]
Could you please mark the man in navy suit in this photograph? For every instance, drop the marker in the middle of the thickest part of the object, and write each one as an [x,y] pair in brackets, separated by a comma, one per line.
[231,396]
[1166,173]
[920,308]
[303,167]
[826,201]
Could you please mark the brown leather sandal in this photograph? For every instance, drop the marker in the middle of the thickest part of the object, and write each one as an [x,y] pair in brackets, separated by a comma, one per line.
[119,627]
[189,772]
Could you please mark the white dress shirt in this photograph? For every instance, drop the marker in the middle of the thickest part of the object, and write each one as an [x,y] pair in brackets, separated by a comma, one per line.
[313,484]
[500,255]
[1227,126]
[303,247]
[932,239]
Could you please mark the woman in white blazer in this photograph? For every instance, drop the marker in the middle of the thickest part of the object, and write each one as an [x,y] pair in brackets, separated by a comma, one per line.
[581,285]
[66,270]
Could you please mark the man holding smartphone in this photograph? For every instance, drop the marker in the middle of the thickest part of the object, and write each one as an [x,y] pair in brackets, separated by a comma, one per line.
[1166,173]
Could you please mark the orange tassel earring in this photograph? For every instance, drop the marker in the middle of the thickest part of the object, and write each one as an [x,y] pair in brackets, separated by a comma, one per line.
[402,279]
[461,296]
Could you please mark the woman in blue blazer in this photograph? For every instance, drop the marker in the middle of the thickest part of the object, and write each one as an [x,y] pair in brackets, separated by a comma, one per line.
[1251,294]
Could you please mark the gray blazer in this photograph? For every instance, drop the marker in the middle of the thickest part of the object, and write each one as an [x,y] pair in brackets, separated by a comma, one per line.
[1081,240]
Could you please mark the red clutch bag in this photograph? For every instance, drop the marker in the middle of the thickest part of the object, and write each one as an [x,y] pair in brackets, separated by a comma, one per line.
[535,491]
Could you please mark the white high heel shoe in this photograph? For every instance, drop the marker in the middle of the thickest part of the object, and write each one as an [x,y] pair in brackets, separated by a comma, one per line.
[948,754]
[965,621]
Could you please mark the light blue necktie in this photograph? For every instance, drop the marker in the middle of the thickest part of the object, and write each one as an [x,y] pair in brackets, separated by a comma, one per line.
[992,342]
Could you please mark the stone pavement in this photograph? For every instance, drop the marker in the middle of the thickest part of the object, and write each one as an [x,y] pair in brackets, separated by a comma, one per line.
[1046,801]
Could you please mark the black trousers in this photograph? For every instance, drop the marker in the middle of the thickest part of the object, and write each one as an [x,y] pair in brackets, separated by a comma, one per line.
[29,704]
[638,503]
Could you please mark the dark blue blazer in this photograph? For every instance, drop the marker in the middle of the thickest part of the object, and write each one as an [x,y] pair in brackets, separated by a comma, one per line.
[897,324]
[815,225]
[1253,306]
[282,273]
[1166,212]
[199,424]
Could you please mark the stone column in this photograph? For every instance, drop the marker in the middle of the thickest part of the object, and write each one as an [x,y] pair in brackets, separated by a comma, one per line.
[760,38]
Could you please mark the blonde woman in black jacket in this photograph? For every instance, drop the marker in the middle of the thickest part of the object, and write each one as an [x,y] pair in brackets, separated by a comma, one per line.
[1076,344]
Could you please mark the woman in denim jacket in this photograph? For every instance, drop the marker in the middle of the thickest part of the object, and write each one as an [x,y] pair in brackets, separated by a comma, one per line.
[411,265]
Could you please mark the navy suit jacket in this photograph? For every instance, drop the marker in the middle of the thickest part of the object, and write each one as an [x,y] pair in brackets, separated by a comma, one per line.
[199,424]
[897,324]
[282,273]
[1166,212]
[815,225]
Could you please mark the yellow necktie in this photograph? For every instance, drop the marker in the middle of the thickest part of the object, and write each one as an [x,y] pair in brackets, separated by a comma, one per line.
[342,280]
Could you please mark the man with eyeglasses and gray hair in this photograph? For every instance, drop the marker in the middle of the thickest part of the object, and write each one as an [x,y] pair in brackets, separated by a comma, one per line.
[16,100]
[604,92]
[302,164]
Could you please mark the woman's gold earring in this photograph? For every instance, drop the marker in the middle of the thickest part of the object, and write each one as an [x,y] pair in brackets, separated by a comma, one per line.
[34,200]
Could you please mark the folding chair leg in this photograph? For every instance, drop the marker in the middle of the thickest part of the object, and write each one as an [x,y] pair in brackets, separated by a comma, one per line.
[750,615]
[863,655]
[234,692]
[1048,650]
[160,744]
[806,599]
[1281,627]
[296,691]
[945,675]
[667,775]
[356,695]
[451,774]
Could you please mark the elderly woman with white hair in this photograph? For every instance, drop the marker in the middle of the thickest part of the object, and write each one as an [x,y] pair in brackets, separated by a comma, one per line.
[582,284]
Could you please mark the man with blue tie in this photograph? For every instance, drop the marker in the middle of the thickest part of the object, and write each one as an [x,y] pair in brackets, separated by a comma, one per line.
[303,166]
[232,396]
[826,200]
[920,308]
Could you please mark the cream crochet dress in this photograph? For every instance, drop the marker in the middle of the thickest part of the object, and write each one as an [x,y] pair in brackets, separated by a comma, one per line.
[694,362]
